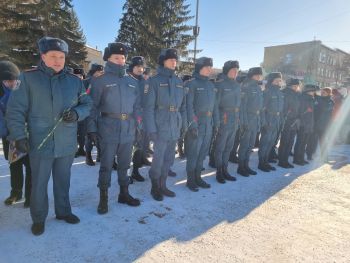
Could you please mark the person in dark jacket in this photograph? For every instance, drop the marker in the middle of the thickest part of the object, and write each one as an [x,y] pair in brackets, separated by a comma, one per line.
[42,116]
[181,141]
[273,107]
[234,152]
[9,74]
[229,102]
[250,119]
[307,123]
[95,71]
[202,115]
[291,122]
[113,119]
[164,117]
[323,113]
[79,72]
[136,68]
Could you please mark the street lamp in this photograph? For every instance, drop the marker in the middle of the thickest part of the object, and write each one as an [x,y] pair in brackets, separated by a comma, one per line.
[196,33]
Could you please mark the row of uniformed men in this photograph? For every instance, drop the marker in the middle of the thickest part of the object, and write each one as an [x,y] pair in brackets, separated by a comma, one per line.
[43,112]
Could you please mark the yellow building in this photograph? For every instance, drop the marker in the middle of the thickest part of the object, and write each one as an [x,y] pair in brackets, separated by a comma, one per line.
[93,56]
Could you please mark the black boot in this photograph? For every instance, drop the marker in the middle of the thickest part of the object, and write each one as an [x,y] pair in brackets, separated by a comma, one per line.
[285,165]
[88,160]
[15,196]
[171,173]
[155,190]
[199,181]
[80,152]
[220,175]
[181,152]
[136,175]
[250,171]
[263,166]
[115,166]
[242,170]
[270,167]
[191,183]
[26,202]
[227,175]
[125,198]
[103,205]
[299,162]
[212,162]
[163,189]
[38,228]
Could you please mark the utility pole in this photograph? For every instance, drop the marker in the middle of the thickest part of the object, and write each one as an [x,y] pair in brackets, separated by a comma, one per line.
[196,33]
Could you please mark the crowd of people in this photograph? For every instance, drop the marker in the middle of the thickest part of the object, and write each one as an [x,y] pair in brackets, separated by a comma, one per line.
[51,114]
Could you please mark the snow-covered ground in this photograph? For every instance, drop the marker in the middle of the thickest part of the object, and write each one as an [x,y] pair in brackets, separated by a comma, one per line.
[295,215]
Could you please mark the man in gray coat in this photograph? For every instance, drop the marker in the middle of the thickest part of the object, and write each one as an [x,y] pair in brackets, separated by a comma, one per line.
[272,111]
[113,118]
[48,104]
[165,115]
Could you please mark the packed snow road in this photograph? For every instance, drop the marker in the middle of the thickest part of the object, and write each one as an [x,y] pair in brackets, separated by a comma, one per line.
[295,215]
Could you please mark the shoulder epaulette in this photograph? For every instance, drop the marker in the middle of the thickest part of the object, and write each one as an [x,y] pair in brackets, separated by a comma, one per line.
[219,80]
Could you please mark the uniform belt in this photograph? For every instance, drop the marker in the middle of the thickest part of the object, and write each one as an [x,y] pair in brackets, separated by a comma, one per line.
[206,113]
[120,116]
[232,109]
[171,108]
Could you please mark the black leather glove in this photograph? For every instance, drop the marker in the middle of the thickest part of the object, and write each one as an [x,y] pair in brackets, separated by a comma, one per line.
[93,137]
[70,116]
[22,145]
[153,136]
[193,133]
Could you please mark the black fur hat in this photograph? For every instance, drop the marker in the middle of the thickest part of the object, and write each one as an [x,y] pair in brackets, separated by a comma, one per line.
[167,54]
[137,61]
[203,62]
[229,65]
[47,44]
[254,71]
[293,82]
[8,71]
[96,67]
[310,87]
[115,48]
[272,76]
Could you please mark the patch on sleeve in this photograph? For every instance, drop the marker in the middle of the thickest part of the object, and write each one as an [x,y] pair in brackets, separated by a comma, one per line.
[146,89]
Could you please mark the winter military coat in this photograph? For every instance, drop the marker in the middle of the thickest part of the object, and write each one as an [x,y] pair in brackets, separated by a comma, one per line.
[251,105]
[164,105]
[116,105]
[291,108]
[229,101]
[273,106]
[306,113]
[323,113]
[37,105]
[202,108]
